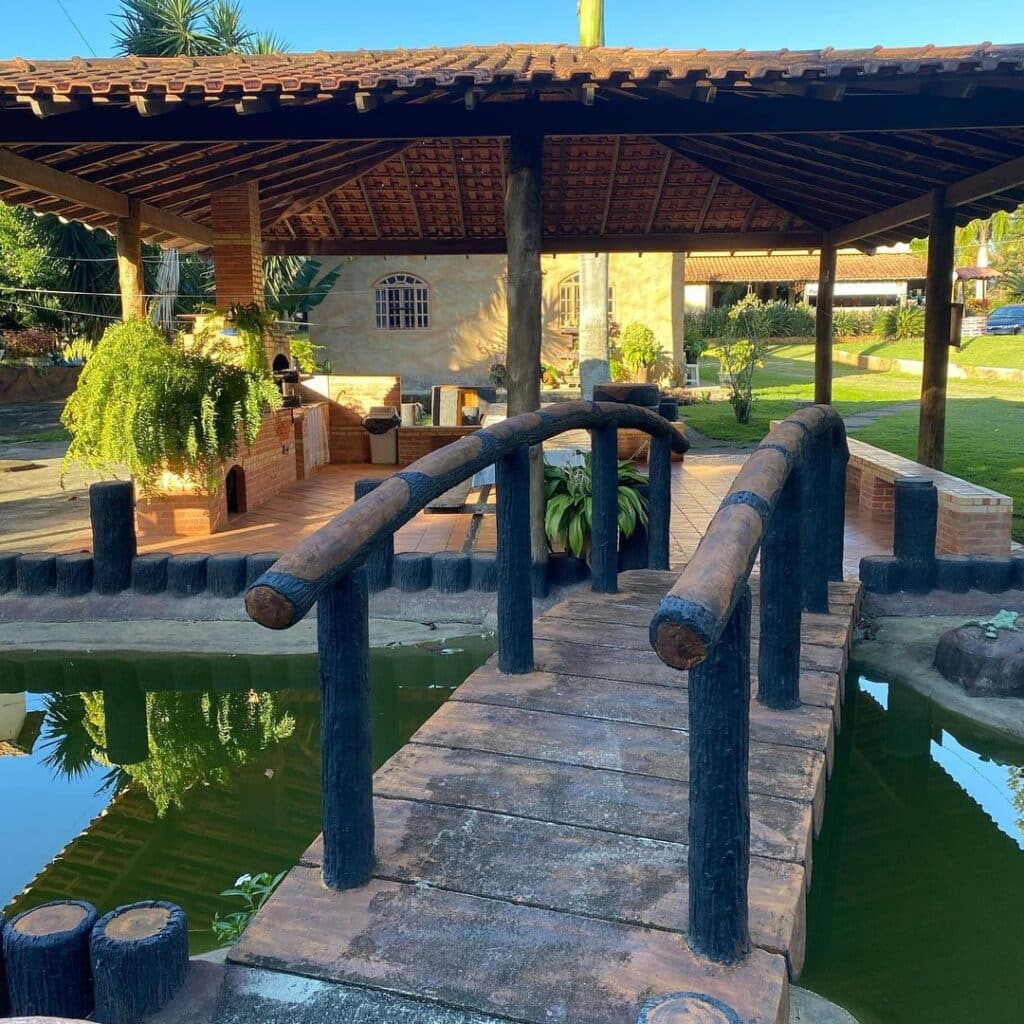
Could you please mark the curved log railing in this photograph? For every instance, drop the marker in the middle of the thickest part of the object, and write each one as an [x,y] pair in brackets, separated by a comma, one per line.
[788,503]
[330,569]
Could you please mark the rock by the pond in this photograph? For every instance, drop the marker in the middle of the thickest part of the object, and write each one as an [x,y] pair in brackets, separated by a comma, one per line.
[986,662]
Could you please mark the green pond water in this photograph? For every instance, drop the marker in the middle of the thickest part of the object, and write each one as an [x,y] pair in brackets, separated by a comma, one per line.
[916,908]
[166,777]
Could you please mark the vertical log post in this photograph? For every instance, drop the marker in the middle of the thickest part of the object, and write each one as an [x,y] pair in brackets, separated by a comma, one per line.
[823,323]
[931,435]
[915,525]
[719,859]
[343,646]
[815,474]
[523,234]
[778,664]
[604,527]
[837,503]
[659,510]
[379,561]
[112,514]
[515,600]
[131,280]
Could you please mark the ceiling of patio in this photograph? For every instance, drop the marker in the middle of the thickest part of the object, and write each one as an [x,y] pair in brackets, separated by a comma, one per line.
[405,151]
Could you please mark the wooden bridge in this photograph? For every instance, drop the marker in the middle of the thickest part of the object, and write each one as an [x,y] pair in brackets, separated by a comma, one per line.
[584,832]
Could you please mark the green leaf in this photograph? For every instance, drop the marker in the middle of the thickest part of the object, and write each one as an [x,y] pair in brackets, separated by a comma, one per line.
[576,537]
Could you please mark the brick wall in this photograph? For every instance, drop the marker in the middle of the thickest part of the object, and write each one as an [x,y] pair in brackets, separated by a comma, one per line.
[415,442]
[350,399]
[269,466]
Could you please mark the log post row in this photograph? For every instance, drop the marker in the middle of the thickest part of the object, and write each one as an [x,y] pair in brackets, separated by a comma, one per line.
[788,497]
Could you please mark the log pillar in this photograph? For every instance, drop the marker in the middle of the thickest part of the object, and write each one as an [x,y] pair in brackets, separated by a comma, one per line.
[823,323]
[131,281]
[237,245]
[522,359]
[931,434]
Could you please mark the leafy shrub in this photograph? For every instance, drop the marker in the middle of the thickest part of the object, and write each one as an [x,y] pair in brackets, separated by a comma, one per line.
[253,891]
[144,405]
[304,353]
[568,492]
[898,323]
[640,351]
[738,357]
[30,343]
[751,316]
[78,350]
[848,323]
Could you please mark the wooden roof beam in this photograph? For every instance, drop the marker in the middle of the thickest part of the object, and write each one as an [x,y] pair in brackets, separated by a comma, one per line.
[43,178]
[997,179]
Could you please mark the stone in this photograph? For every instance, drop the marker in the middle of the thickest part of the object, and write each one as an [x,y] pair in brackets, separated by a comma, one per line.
[983,664]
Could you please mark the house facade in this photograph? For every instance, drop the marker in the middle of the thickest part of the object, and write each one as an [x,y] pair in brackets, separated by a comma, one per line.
[442,319]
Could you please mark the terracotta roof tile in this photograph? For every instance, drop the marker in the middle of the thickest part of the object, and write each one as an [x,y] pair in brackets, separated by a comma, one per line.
[890,266]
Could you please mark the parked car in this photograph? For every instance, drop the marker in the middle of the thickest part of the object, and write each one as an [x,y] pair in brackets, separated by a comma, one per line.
[1005,320]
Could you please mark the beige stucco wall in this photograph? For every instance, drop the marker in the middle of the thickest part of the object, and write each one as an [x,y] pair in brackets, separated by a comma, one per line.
[467,314]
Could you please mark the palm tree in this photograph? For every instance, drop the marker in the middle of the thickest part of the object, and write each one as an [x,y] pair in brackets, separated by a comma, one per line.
[980,240]
[291,285]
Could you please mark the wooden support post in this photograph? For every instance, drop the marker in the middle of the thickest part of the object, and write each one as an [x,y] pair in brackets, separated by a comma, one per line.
[131,279]
[839,459]
[139,959]
[814,554]
[931,434]
[380,560]
[523,234]
[916,519]
[823,323]
[343,646]
[515,601]
[112,515]
[778,665]
[719,830]
[659,511]
[604,526]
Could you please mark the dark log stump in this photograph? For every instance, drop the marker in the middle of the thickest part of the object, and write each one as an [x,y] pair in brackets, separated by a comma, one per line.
[73,575]
[983,666]
[1018,571]
[516,569]
[139,957]
[380,560]
[149,573]
[450,572]
[186,574]
[953,573]
[225,575]
[647,395]
[565,569]
[991,573]
[915,523]
[483,572]
[36,573]
[257,564]
[46,954]
[112,514]
[411,571]
[668,406]
[126,724]
[880,574]
[634,550]
[8,572]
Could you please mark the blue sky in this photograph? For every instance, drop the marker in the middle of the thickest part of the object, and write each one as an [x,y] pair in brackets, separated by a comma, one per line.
[38,28]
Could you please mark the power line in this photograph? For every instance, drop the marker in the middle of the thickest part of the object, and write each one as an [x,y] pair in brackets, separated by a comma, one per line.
[81,35]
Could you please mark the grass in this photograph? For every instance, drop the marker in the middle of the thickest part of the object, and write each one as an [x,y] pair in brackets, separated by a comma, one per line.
[991,350]
[984,428]
[57,434]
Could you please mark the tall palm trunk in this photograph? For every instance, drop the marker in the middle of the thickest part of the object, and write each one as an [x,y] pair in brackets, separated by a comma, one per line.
[593,325]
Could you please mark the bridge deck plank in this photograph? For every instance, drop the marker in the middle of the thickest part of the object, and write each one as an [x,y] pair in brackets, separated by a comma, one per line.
[532,837]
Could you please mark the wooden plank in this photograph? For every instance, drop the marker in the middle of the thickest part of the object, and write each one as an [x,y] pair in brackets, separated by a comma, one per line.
[811,728]
[599,874]
[644,806]
[788,772]
[492,956]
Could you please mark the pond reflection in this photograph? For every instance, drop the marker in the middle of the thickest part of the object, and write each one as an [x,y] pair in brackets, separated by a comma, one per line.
[167,777]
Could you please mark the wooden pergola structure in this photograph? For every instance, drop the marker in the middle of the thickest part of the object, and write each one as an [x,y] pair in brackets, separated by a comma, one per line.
[524,149]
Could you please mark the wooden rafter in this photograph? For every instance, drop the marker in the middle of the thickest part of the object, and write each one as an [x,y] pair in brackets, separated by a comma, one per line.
[611,185]
[412,195]
[374,223]
[709,198]
[663,174]
[458,187]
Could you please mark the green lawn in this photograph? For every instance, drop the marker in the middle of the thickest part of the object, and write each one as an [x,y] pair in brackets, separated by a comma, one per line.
[985,425]
[991,350]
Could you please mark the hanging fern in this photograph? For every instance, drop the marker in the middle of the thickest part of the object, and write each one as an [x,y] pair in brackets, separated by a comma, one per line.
[145,406]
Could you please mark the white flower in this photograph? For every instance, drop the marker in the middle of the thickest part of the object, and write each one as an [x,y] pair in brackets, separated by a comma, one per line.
[242,880]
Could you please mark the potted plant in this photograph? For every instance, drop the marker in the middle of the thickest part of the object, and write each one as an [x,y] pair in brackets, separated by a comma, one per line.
[568,492]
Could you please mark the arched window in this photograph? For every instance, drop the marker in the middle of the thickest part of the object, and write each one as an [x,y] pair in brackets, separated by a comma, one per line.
[569,303]
[401,303]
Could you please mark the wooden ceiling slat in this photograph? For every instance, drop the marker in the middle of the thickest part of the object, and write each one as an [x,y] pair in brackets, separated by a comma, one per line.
[666,164]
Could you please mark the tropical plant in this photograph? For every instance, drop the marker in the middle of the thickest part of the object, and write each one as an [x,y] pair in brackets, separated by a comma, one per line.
[253,891]
[1012,287]
[898,323]
[304,353]
[145,406]
[291,285]
[78,350]
[70,749]
[640,351]
[174,28]
[848,323]
[738,358]
[568,494]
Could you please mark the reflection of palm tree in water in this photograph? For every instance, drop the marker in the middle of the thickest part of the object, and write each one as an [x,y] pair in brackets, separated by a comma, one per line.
[194,738]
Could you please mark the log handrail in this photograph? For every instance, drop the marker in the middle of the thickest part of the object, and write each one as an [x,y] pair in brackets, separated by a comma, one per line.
[286,592]
[693,615]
